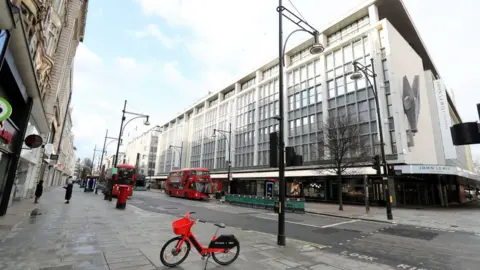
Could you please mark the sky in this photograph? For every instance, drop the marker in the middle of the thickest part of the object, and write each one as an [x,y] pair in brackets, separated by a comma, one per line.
[164,55]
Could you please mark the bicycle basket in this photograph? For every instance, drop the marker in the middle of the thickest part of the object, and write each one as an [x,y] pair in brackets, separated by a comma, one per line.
[182,226]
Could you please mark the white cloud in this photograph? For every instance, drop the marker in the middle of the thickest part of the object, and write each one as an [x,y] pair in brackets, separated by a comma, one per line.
[232,38]
[153,30]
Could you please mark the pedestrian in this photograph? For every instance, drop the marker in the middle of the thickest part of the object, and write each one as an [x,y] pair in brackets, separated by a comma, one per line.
[68,191]
[38,191]
[148,186]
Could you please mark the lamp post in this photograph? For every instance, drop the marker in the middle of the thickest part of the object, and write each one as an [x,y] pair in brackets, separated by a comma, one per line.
[180,151]
[315,49]
[103,150]
[229,161]
[359,72]
[122,128]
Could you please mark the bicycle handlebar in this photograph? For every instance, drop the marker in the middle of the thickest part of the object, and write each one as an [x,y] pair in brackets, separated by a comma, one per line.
[199,220]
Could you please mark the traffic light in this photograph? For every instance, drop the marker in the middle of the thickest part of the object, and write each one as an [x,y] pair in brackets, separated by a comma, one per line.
[391,170]
[292,158]
[274,149]
[289,156]
[376,164]
[298,160]
[466,133]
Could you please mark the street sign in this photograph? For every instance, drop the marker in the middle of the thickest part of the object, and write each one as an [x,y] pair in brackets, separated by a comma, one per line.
[33,141]
[54,157]
[114,170]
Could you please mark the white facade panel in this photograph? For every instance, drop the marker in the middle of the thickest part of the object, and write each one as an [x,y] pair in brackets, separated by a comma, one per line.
[411,106]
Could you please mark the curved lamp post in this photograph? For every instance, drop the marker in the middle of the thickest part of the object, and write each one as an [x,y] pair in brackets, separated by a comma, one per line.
[316,48]
[122,126]
[179,149]
[359,72]
[229,161]
[119,140]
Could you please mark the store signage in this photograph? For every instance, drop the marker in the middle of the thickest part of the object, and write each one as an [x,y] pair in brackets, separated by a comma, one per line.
[33,141]
[444,119]
[5,109]
[5,112]
[427,169]
[5,135]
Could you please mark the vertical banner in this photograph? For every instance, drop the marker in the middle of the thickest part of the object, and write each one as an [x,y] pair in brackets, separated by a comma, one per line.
[445,121]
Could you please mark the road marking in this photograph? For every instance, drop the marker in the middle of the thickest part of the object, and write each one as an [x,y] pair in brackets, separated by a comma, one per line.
[409,267]
[340,223]
[358,256]
[310,225]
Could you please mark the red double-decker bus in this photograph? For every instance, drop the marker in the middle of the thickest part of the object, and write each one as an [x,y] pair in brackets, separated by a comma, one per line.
[125,176]
[193,183]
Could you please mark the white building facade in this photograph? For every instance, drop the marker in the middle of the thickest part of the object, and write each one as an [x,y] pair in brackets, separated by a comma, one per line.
[146,145]
[416,112]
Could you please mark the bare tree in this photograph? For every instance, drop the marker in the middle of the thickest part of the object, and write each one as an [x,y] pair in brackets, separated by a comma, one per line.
[340,143]
[86,168]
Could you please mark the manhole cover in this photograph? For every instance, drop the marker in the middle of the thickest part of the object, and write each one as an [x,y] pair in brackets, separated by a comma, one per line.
[410,233]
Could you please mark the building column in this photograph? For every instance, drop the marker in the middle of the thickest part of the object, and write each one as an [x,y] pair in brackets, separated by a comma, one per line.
[233,119]
[256,95]
[373,14]
[215,144]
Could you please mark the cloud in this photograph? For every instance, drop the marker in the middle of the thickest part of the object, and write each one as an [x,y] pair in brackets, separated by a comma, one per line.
[100,87]
[152,30]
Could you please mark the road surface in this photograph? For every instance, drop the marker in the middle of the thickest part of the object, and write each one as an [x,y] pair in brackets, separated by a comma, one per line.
[399,246]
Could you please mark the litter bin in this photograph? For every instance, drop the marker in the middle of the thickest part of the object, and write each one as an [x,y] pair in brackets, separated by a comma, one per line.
[122,197]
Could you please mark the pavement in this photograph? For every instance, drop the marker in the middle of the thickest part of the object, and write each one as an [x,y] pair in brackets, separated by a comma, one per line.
[465,218]
[399,246]
[89,233]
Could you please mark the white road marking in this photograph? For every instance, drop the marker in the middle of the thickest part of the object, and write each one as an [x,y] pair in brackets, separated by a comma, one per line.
[310,225]
[340,223]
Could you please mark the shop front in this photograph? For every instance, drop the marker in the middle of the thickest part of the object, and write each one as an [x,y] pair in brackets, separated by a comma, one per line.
[15,102]
[19,88]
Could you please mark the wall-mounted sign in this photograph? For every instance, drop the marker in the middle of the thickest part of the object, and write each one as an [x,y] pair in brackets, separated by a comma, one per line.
[5,109]
[33,141]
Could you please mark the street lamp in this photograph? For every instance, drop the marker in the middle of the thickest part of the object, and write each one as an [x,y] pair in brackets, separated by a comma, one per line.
[122,126]
[359,72]
[119,140]
[105,144]
[229,162]
[180,150]
[315,49]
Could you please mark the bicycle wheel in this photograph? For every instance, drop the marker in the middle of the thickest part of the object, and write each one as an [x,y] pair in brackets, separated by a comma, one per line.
[164,253]
[224,263]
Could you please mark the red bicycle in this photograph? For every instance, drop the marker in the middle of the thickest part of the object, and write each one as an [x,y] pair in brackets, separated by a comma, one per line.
[224,244]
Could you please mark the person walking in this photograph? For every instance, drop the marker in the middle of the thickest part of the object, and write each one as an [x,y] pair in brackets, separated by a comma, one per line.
[68,191]
[38,191]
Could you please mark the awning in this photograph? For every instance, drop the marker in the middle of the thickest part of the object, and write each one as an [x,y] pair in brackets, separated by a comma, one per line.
[437,169]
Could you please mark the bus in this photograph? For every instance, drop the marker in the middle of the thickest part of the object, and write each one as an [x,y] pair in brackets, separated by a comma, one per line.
[193,183]
[124,176]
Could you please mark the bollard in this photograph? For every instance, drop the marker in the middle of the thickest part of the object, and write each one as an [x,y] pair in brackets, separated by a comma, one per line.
[122,197]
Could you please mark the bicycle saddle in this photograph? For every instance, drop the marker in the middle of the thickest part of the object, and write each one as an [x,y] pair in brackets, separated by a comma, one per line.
[220,225]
